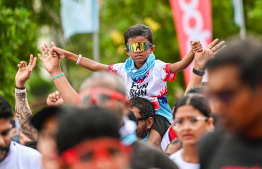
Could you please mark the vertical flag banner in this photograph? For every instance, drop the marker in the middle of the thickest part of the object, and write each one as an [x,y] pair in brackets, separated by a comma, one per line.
[79,16]
[193,21]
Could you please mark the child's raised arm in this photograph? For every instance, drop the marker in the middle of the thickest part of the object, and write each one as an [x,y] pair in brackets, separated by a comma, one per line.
[82,61]
[185,62]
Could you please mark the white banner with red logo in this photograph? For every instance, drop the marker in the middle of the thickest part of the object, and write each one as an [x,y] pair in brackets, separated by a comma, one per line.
[193,21]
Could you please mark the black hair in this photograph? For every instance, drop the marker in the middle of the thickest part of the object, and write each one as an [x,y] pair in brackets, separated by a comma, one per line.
[139,30]
[175,141]
[5,109]
[79,125]
[31,144]
[198,101]
[197,89]
[145,106]
[246,55]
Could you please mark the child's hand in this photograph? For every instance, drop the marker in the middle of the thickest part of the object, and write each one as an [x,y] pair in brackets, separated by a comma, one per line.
[24,72]
[196,46]
[51,60]
[60,52]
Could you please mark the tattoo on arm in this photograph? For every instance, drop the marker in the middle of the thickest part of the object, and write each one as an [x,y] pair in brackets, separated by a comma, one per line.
[24,114]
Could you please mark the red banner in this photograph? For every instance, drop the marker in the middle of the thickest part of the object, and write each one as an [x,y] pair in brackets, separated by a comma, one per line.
[193,21]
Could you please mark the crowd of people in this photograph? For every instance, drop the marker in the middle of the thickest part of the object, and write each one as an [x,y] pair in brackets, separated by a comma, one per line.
[121,119]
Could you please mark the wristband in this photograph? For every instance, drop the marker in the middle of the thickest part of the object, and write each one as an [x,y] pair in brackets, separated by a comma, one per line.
[198,72]
[57,76]
[79,58]
[20,91]
[19,87]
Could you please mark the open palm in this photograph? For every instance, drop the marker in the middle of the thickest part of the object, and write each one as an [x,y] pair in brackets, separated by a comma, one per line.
[51,60]
[202,57]
[24,72]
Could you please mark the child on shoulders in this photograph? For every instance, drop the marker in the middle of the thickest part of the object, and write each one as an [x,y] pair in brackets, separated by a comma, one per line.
[144,75]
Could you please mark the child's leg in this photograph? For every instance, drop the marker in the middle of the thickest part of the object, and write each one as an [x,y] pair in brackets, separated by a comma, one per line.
[158,130]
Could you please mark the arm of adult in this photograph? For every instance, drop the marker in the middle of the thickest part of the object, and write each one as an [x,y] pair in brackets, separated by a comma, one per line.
[187,60]
[22,109]
[52,65]
[200,60]
[84,62]
[154,138]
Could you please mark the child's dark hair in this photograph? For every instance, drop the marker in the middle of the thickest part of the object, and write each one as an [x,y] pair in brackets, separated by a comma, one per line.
[139,30]
[145,106]
[198,101]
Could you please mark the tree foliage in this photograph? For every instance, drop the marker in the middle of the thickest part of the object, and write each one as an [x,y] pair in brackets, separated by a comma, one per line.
[17,40]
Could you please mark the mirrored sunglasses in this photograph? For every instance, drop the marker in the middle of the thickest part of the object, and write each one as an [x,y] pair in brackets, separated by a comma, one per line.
[142,46]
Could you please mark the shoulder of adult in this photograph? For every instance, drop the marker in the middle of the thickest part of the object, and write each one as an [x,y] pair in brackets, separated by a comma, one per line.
[27,151]
[157,157]
[30,157]
[208,146]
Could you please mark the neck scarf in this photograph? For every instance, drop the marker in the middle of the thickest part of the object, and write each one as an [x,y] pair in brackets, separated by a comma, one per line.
[140,74]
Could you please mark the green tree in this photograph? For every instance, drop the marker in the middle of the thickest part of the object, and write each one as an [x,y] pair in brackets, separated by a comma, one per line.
[17,41]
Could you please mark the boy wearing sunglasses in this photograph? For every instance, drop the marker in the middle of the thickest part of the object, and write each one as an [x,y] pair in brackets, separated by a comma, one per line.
[144,76]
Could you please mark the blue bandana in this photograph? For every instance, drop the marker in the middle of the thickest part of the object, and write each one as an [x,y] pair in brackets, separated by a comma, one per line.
[139,75]
[146,138]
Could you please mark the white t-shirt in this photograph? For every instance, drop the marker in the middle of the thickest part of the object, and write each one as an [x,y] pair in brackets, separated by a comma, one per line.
[177,158]
[153,85]
[21,157]
[167,138]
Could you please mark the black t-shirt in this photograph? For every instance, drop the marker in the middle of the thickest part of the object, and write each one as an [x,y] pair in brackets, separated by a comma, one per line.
[223,151]
[146,157]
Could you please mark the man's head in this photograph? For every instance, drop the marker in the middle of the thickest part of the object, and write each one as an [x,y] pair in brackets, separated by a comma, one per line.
[235,85]
[90,137]
[46,121]
[144,111]
[105,90]
[5,127]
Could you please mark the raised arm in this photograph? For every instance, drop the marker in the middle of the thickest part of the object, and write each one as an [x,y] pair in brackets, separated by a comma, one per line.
[187,60]
[84,62]
[200,60]
[22,109]
[52,65]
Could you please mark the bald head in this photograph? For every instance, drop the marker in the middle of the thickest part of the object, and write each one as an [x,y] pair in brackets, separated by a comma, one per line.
[105,80]
[109,82]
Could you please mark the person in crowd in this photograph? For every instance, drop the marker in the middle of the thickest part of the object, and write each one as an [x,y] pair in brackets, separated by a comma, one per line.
[144,113]
[144,76]
[108,90]
[42,130]
[121,108]
[235,86]
[96,142]
[12,154]
[45,122]
[173,146]
[191,120]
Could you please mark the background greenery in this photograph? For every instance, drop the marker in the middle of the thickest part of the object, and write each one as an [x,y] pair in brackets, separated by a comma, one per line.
[22,23]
